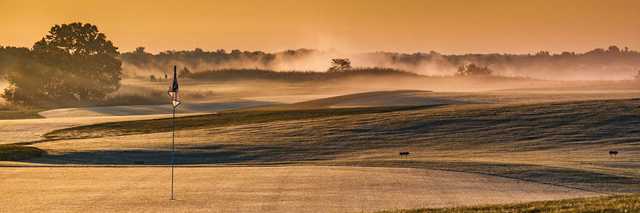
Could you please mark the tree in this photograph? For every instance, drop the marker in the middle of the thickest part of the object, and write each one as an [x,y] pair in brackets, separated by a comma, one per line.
[12,58]
[73,63]
[543,53]
[613,49]
[473,70]
[340,64]
[139,57]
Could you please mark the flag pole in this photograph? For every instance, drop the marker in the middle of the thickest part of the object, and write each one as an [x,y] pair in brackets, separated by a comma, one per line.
[173,148]
[173,135]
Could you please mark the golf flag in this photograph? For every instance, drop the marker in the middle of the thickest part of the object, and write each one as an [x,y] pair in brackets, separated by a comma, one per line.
[173,89]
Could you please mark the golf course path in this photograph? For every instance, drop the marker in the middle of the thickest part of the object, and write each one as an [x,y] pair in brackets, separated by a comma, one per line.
[257,189]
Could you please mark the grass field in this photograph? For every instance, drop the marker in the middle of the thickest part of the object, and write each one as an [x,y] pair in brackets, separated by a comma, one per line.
[620,203]
[221,119]
[559,142]
[257,189]
[11,113]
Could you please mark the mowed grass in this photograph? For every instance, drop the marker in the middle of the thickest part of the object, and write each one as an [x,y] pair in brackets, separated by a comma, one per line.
[560,144]
[576,178]
[619,203]
[547,133]
[14,152]
[557,144]
[229,118]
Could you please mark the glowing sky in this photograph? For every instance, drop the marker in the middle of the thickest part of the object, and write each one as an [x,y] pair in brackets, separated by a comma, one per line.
[448,26]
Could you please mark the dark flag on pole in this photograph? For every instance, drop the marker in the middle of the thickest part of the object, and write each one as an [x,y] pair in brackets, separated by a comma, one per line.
[173,94]
[173,89]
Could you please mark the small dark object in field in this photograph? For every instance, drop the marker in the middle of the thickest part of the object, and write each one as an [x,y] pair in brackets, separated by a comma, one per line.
[404,154]
[613,153]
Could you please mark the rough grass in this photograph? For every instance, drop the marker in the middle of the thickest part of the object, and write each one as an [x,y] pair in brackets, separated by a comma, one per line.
[14,152]
[18,114]
[619,203]
[7,113]
[229,118]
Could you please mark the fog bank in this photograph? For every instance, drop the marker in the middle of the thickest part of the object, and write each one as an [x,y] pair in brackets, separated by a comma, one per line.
[599,64]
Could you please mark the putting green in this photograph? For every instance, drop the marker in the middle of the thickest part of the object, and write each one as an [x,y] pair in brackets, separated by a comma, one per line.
[258,189]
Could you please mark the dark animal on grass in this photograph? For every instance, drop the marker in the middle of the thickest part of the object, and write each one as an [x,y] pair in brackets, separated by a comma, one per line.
[404,154]
[613,153]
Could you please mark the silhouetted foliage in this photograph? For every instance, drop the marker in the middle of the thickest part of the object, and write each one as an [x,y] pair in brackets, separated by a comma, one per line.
[197,59]
[340,64]
[295,76]
[13,59]
[541,64]
[473,70]
[139,57]
[74,63]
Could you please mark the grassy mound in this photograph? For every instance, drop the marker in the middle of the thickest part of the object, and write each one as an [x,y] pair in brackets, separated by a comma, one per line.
[619,203]
[378,99]
[228,118]
[12,152]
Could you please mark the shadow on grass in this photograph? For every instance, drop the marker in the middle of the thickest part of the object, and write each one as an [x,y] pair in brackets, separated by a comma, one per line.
[310,155]
[560,126]
[17,153]
[216,154]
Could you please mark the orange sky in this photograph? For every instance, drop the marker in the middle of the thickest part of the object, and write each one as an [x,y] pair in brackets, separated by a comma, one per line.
[448,26]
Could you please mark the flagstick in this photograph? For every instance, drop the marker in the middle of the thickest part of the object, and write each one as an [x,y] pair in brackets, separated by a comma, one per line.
[173,148]
[173,139]
[173,92]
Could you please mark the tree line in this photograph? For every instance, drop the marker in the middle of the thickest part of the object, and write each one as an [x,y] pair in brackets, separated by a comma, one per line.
[296,76]
[76,64]
[599,60]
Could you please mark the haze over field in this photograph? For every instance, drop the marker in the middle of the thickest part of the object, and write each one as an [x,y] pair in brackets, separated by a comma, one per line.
[320,106]
[610,63]
[449,27]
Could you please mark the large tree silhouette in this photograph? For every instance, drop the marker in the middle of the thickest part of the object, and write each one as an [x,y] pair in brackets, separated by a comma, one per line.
[74,63]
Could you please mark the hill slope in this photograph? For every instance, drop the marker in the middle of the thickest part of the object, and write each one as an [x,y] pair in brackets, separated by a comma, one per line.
[379,99]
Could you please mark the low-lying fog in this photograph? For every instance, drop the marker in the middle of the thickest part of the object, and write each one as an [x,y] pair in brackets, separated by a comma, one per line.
[597,71]
[599,64]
